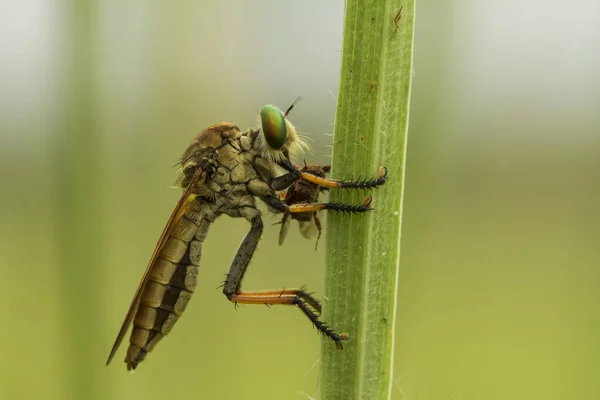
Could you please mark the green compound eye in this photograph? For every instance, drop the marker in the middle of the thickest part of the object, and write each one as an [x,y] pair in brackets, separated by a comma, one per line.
[273,126]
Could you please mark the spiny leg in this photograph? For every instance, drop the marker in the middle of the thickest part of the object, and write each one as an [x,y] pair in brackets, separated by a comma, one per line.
[293,298]
[296,297]
[322,326]
[293,174]
[300,208]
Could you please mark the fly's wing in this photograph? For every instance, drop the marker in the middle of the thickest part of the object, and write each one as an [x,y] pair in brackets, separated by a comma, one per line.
[285,227]
[179,210]
[308,229]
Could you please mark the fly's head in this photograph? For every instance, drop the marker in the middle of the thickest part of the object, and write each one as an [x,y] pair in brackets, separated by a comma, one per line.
[277,139]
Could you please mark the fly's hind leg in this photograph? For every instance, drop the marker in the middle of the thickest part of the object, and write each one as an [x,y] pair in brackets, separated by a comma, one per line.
[244,252]
[295,297]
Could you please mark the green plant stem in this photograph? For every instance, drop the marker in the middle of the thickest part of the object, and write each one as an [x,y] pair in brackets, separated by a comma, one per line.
[363,250]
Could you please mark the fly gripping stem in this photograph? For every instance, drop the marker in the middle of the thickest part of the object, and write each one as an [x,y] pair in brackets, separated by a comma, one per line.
[294,297]
[306,303]
[351,184]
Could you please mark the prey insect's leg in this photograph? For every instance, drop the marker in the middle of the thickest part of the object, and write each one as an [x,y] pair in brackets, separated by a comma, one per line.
[319,228]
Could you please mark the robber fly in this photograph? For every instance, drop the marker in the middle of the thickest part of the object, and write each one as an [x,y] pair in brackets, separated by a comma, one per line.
[224,171]
[303,191]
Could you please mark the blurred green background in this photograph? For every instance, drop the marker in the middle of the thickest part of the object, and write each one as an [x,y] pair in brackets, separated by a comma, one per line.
[499,284]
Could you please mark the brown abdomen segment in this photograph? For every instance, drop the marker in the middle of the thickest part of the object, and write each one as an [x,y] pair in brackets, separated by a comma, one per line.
[169,287]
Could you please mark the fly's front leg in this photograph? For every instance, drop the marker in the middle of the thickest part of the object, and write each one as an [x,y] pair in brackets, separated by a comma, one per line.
[331,183]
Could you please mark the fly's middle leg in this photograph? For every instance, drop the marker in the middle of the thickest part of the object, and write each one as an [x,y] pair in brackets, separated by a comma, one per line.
[300,208]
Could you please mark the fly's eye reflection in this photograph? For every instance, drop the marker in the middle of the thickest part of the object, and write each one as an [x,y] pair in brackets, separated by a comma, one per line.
[273,126]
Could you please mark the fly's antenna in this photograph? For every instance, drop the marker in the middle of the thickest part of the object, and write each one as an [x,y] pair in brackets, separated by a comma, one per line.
[292,106]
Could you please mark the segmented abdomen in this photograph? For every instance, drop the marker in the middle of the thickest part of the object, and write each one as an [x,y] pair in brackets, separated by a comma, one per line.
[170,284]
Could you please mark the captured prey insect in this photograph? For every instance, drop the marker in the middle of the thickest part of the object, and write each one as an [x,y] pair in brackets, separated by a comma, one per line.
[303,191]
[223,171]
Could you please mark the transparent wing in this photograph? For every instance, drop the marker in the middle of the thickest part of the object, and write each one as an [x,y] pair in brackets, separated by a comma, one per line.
[308,229]
[285,227]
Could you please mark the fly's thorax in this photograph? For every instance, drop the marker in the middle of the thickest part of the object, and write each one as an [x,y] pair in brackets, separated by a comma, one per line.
[234,170]
[267,169]
[212,137]
[231,205]
[224,154]
[236,164]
